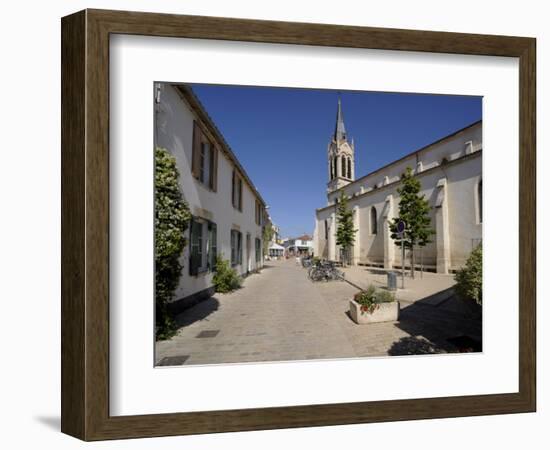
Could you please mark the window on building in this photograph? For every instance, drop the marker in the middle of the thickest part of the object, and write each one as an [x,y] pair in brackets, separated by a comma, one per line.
[349,168]
[331,168]
[373,221]
[335,166]
[204,159]
[480,201]
[258,250]
[259,213]
[326,230]
[237,191]
[203,246]
[236,247]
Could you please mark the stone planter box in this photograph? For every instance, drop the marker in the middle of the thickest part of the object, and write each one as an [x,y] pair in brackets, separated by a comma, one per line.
[386,312]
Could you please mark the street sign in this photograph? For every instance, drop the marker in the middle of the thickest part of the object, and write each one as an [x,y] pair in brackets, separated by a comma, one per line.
[401,226]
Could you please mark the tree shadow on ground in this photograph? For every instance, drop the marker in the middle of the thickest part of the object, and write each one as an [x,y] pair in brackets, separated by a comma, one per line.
[198,312]
[439,323]
[413,345]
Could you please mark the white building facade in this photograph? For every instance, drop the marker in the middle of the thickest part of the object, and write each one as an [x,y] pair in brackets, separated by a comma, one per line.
[302,245]
[450,173]
[228,212]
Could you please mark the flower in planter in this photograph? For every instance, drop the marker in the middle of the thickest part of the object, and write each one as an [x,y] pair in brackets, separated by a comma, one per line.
[369,299]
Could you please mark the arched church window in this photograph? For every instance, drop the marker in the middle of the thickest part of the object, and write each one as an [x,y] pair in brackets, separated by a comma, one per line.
[480,201]
[373,221]
[335,166]
[331,168]
[349,168]
[344,166]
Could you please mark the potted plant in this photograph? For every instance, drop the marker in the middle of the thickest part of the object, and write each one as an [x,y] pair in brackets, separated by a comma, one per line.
[372,306]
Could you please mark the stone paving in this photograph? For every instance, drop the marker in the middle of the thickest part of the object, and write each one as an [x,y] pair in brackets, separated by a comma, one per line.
[424,284]
[279,315]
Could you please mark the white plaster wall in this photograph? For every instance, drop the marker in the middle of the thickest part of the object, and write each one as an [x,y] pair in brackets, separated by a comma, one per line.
[372,245]
[320,243]
[464,227]
[175,133]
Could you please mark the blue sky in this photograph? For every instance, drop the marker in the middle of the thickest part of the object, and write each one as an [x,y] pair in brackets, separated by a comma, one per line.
[281,137]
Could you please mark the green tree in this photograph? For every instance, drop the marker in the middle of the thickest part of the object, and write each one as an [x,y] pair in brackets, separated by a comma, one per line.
[345,233]
[469,279]
[171,220]
[414,210]
[267,235]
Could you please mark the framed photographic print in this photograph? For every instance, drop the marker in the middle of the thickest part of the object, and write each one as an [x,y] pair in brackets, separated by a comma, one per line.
[270,224]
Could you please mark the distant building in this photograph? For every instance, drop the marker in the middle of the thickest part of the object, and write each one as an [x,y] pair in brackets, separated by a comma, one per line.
[449,171]
[274,248]
[228,211]
[275,251]
[276,234]
[302,245]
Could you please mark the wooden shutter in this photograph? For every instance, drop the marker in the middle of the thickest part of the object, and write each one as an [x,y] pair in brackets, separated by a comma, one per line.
[214,169]
[240,194]
[233,189]
[233,248]
[240,247]
[258,250]
[196,156]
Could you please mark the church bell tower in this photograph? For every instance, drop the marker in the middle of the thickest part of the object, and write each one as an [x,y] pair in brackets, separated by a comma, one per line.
[341,155]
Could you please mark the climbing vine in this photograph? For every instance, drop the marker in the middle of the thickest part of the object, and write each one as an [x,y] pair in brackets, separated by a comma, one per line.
[171,221]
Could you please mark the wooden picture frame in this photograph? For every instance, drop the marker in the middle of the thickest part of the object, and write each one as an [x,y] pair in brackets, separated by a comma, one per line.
[85,224]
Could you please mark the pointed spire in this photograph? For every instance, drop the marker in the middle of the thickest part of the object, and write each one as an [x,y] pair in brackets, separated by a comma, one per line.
[340,129]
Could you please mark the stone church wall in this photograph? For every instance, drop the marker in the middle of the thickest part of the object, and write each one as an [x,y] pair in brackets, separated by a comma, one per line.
[450,172]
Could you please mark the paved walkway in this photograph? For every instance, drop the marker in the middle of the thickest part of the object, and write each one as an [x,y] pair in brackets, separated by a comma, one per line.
[424,285]
[279,315]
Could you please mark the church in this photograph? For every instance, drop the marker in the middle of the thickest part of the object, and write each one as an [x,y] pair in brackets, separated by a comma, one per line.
[450,173]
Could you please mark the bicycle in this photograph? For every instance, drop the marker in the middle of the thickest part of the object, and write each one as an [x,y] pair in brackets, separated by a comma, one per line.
[325,270]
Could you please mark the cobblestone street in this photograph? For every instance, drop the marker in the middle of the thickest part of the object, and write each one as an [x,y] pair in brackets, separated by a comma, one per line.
[280,315]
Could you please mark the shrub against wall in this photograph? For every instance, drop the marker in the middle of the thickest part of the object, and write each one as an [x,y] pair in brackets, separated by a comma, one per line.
[469,279]
[171,220]
[267,235]
[226,278]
